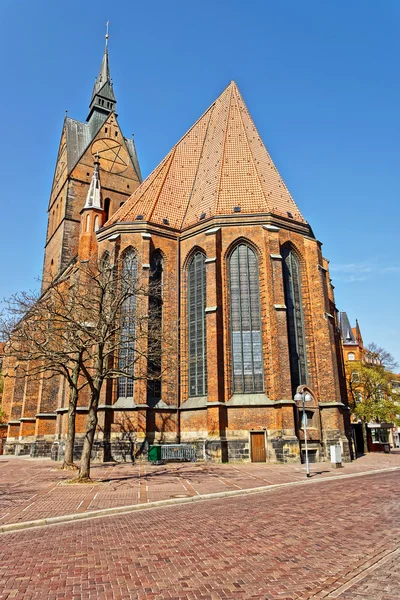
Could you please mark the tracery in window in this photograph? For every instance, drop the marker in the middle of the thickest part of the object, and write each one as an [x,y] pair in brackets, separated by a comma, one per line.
[128,326]
[247,362]
[295,317]
[197,325]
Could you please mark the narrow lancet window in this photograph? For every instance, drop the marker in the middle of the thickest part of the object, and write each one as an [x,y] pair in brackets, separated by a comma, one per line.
[128,326]
[155,329]
[295,318]
[197,325]
[247,362]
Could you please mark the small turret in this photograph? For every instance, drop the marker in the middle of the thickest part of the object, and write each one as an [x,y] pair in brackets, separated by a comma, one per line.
[92,216]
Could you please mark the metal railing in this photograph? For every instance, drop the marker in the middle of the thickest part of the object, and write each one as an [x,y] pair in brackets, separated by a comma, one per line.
[178,452]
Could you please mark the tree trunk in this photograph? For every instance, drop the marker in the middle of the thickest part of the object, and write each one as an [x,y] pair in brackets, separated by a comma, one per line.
[69,446]
[365,436]
[84,470]
[73,401]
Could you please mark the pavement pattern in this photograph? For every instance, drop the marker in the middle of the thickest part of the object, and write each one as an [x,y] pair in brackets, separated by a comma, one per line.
[33,489]
[338,539]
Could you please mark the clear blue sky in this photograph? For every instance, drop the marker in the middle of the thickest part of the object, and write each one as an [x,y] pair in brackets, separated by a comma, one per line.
[321,80]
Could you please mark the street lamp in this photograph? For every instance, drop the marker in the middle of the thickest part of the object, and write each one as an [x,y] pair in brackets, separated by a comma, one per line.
[304,397]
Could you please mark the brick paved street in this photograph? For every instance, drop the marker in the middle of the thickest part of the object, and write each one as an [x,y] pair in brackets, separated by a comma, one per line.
[34,489]
[337,539]
[294,543]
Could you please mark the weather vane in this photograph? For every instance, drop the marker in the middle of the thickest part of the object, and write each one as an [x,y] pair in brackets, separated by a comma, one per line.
[107,36]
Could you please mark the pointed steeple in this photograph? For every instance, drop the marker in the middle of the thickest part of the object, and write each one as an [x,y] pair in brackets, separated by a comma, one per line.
[93,198]
[103,99]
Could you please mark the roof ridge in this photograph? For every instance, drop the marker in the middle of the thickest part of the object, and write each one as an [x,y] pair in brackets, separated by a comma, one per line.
[223,151]
[211,109]
[172,154]
[202,115]
[251,151]
[125,208]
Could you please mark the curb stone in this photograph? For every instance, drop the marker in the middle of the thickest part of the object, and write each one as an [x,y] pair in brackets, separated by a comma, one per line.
[120,510]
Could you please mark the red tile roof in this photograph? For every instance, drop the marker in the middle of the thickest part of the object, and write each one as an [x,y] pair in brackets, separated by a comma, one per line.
[220,163]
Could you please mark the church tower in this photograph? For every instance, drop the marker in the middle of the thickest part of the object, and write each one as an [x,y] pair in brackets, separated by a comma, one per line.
[80,142]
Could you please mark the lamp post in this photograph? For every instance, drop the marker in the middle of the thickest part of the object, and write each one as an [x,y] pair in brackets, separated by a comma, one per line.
[304,397]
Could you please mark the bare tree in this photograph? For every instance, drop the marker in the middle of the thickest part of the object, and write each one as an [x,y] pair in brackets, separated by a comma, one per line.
[39,341]
[377,355]
[122,332]
[100,321]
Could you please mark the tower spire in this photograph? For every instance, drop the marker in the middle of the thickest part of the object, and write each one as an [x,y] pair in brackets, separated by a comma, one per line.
[103,99]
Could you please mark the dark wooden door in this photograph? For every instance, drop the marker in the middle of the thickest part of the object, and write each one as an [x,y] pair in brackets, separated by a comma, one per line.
[258,452]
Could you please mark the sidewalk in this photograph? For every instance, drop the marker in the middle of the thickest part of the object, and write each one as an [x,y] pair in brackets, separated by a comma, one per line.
[33,489]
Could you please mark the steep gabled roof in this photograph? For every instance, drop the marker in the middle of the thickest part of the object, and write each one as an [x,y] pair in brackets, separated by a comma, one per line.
[219,164]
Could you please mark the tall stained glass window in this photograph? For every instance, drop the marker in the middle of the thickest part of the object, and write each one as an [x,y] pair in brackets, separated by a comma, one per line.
[295,318]
[247,362]
[197,325]
[155,329]
[128,327]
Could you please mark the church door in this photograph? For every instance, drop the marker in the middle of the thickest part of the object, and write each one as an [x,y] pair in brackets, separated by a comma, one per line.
[258,451]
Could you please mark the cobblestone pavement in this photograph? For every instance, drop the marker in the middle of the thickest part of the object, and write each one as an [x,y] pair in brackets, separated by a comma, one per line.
[338,539]
[35,489]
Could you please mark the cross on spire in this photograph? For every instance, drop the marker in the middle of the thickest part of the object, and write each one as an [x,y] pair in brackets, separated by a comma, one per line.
[107,36]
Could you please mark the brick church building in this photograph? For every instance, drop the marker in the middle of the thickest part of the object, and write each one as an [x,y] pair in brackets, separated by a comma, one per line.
[242,273]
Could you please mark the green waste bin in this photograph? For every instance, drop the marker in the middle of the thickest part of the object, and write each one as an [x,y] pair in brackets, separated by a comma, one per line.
[154,453]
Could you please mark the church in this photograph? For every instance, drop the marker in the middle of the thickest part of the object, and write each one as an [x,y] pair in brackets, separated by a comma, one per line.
[242,274]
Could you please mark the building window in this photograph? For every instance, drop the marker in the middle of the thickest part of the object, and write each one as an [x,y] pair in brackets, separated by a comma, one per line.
[96,222]
[197,325]
[308,417]
[247,363]
[107,202]
[155,329]
[295,318]
[128,327]
[351,356]
[380,436]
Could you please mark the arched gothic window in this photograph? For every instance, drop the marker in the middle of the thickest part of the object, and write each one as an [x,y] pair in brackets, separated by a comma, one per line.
[128,326]
[197,325]
[107,202]
[295,318]
[247,362]
[155,329]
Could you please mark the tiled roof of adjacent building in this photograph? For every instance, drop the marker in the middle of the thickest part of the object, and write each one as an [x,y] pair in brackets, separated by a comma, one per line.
[219,164]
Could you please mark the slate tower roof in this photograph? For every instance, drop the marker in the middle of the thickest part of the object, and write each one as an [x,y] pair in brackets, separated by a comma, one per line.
[219,167]
[103,100]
